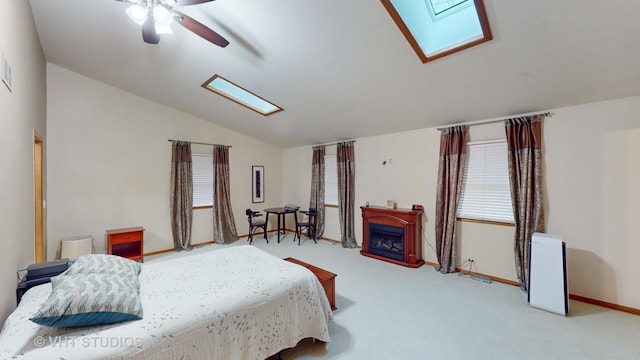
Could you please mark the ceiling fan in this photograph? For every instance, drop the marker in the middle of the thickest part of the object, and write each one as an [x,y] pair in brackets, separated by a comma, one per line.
[155,16]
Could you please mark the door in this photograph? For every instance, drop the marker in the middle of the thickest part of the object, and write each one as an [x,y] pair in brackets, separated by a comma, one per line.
[38,199]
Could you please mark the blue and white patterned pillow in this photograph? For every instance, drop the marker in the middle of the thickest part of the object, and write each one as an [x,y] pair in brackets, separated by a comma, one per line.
[90,299]
[104,264]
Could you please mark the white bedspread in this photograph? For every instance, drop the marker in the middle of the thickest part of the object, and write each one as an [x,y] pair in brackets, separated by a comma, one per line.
[233,303]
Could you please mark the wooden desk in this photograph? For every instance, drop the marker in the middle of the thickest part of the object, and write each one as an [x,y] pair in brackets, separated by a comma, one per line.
[128,243]
[327,279]
[281,212]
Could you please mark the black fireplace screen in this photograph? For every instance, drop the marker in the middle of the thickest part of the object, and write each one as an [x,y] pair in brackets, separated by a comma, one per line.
[387,241]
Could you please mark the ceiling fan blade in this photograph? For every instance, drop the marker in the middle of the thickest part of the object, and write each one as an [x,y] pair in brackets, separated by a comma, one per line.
[149,34]
[191,2]
[200,30]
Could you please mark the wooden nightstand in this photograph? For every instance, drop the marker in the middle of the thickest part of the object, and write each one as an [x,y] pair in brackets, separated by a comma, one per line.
[327,279]
[128,243]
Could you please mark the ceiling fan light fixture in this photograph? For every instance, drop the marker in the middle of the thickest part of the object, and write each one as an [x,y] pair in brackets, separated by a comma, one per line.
[162,16]
[137,13]
[155,18]
[163,28]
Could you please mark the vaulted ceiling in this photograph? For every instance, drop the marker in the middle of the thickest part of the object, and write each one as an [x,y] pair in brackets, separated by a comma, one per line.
[342,69]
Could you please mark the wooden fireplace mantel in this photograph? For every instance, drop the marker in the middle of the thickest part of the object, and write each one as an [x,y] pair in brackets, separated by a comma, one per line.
[410,220]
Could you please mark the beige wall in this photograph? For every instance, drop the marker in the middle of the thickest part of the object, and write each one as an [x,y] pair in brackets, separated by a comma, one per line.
[592,155]
[21,112]
[109,162]
[593,174]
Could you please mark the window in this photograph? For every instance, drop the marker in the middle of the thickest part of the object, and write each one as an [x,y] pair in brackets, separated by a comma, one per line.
[486,194]
[437,28]
[330,180]
[202,167]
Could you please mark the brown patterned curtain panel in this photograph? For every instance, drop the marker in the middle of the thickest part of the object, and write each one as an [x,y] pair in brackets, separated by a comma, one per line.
[316,200]
[453,142]
[224,225]
[346,193]
[524,142]
[181,198]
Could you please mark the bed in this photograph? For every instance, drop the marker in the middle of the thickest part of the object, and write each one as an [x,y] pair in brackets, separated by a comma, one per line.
[232,303]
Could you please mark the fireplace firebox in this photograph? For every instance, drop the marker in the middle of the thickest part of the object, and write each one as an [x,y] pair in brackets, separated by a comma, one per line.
[386,240]
[393,235]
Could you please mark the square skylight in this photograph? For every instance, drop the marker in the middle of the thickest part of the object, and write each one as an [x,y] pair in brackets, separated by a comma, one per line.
[233,92]
[437,28]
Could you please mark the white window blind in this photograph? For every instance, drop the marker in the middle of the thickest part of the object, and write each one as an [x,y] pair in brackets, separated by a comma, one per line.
[485,192]
[330,180]
[202,167]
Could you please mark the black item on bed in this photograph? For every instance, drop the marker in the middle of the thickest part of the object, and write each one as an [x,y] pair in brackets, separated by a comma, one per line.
[37,274]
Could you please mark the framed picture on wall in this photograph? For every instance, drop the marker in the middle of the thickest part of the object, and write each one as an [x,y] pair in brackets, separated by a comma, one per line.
[257,181]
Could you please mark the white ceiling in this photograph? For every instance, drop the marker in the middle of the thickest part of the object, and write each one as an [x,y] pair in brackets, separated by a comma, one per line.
[341,69]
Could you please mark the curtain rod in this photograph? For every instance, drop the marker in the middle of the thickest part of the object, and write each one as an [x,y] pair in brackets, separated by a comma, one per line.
[334,143]
[488,121]
[199,143]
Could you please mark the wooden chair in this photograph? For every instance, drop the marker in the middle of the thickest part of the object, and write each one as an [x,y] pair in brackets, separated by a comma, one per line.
[255,225]
[309,224]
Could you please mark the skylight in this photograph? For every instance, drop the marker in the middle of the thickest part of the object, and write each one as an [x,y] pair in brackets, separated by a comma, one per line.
[231,91]
[437,28]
